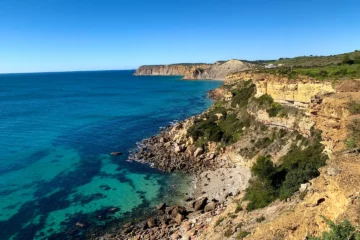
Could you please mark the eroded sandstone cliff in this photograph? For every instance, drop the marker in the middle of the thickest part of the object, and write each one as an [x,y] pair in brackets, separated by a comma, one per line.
[238,129]
[218,70]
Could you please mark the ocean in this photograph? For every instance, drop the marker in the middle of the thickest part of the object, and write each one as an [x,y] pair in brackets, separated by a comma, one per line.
[57,131]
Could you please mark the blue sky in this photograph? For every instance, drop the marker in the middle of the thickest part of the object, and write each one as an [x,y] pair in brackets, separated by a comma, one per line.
[67,35]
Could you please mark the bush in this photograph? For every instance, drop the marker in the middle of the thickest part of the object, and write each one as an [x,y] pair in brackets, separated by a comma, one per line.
[263,143]
[263,168]
[260,194]
[206,129]
[300,166]
[297,166]
[241,96]
[238,208]
[276,109]
[343,230]
[265,100]
[323,73]
[260,219]
[242,235]
[350,143]
[354,107]
[220,220]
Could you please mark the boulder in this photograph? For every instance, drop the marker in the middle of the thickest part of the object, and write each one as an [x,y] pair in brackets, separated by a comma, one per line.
[176,210]
[200,204]
[115,153]
[304,187]
[210,206]
[161,206]
[198,152]
[151,222]
[179,218]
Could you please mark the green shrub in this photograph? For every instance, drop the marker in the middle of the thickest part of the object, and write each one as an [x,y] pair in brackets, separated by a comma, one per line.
[354,136]
[265,100]
[350,143]
[242,235]
[206,129]
[260,219]
[263,143]
[276,109]
[238,208]
[263,168]
[300,166]
[241,96]
[220,220]
[341,231]
[354,107]
[297,166]
[259,194]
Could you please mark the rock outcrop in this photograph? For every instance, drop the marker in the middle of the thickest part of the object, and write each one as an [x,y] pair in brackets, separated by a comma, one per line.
[217,71]
[217,209]
[187,70]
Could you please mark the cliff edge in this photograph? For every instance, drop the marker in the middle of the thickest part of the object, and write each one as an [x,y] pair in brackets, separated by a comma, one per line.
[217,71]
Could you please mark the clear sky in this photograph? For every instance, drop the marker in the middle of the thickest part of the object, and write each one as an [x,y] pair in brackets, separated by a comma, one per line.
[67,35]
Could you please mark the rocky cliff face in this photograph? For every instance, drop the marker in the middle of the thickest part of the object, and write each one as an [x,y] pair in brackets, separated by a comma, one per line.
[170,70]
[297,92]
[218,70]
[309,105]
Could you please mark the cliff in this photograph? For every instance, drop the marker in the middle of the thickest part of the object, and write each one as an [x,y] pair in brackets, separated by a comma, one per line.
[302,123]
[218,70]
[170,70]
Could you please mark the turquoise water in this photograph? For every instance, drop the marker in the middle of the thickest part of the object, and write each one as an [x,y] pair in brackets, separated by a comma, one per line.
[56,133]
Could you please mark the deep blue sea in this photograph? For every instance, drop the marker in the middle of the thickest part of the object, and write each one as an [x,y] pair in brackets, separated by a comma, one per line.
[56,133]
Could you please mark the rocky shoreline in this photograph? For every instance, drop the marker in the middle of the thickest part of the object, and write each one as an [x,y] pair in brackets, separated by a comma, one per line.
[171,151]
[216,181]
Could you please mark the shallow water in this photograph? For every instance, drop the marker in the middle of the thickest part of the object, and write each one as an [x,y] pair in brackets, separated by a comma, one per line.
[56,133]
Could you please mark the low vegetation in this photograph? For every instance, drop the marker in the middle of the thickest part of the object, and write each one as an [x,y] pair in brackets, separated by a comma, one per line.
[260,219]
[273,109]
[353,139]
[343,230]
[222,124]
[310,61]
[272,182]
[332,72]
[241,235]
[220,220]
[354,107]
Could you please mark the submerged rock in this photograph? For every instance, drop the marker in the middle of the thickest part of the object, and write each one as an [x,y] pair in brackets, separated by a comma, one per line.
[116,154]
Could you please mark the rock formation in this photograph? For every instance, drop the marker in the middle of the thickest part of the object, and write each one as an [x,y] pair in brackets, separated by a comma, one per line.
[217,71]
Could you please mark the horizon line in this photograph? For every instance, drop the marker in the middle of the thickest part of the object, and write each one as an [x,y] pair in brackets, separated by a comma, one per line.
[69,71]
